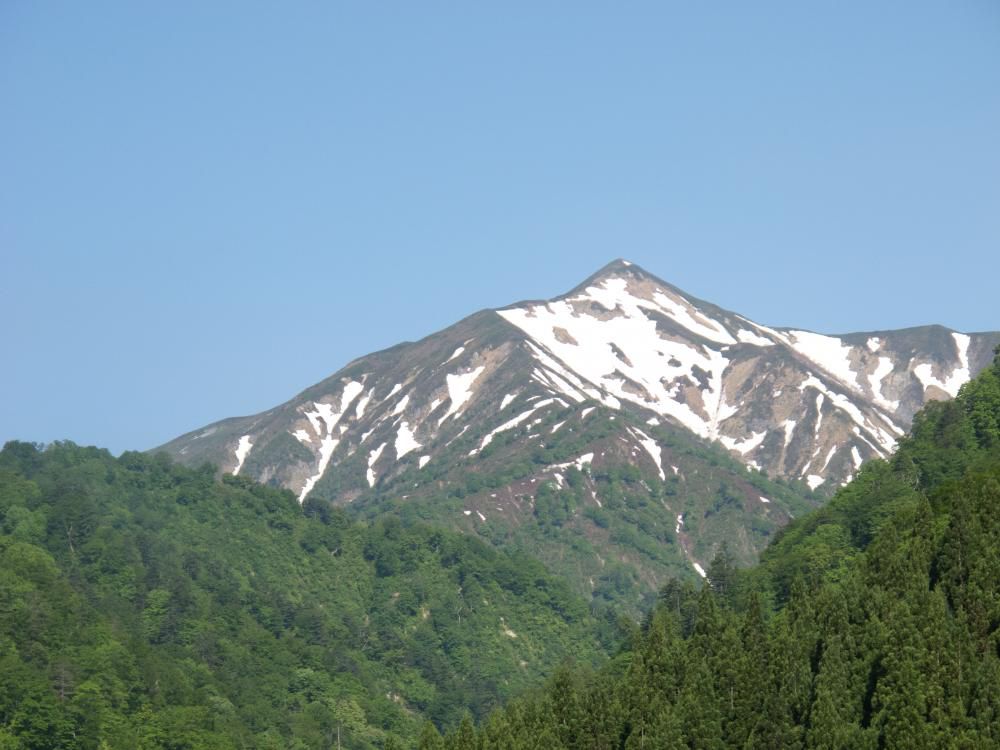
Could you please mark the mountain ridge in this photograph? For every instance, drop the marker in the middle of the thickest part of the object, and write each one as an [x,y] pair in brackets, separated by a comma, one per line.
[607,376]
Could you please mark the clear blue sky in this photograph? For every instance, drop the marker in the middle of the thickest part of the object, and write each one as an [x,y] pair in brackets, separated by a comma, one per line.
[206,207]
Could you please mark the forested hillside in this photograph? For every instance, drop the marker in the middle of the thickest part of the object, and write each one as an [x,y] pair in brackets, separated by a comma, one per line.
[147,605]
[873,623]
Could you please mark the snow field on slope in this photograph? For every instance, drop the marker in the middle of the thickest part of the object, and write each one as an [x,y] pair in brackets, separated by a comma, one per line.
[405,441]
[634,334]
[372,458]
[242,450]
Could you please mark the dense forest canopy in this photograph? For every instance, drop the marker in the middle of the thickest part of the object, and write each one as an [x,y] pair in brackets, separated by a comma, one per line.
[143,604]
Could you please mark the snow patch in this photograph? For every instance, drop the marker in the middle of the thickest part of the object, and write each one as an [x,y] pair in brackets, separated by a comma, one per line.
[958,377]
[829,456]
[359,410]
[749,337]
[460,433]
[814,481]
[684,313]
[856,456]
[652,449]
[789,427]
[326,448]
[324,418]
[869,443]
[506,400]
[423,461]
[699,570]
[351,391]
[372,458]
[405,442]
[512,423]
[829,352]
[882,371]
[242,450]
[764,499]
[460,390]
[586,458]
[456,353]
[561,377]
[842,402]
[566,389]
[820,399]
[745,445]
[508,425]
[401,405]
[302,436]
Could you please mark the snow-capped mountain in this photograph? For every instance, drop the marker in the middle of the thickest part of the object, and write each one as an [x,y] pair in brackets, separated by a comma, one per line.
[620,432]
[792,403]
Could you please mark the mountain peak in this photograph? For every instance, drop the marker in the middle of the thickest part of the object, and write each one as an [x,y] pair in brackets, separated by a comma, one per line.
[619,265]
[623,339]
[619,268]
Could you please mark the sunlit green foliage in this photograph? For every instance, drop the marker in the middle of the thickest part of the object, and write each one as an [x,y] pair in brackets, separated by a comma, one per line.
[145,605]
